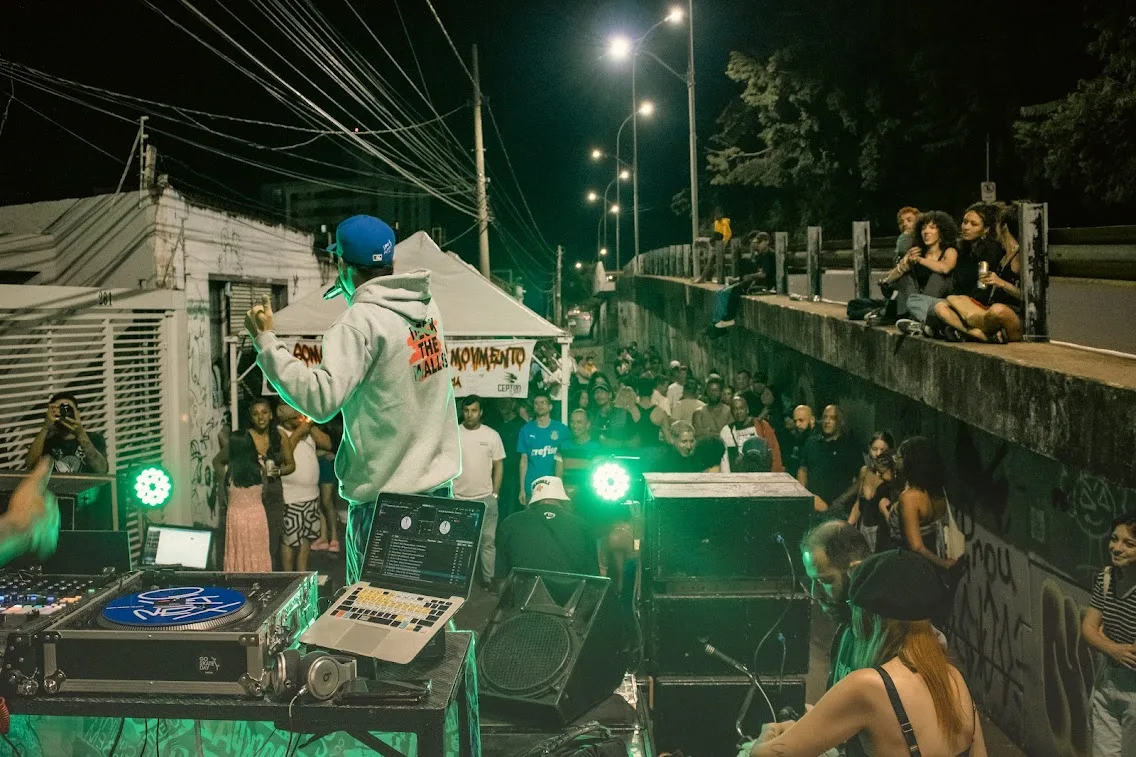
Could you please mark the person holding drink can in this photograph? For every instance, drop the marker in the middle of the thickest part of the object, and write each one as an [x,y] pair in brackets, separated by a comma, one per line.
[992,311]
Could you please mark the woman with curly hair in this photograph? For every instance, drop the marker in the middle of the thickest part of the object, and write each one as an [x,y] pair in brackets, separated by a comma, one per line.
[924,273]
[978,243]
[991,312]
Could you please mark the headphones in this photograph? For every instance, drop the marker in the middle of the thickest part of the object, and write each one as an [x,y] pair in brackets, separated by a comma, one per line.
[317,674]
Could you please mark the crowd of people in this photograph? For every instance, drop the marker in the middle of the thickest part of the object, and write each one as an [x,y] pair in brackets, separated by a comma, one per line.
[877,556]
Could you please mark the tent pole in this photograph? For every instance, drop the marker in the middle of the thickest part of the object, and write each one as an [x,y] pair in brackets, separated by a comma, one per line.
[566,377]
[233,420]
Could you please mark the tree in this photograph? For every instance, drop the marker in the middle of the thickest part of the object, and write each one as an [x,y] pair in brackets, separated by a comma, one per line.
[1085,141]
[859,108]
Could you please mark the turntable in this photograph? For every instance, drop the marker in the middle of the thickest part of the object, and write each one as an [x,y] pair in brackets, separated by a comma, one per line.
[173,632]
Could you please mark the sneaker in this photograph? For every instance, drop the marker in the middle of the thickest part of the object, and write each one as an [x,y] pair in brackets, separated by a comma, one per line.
[333,546]
[910,327]
[319,545]
[724,324]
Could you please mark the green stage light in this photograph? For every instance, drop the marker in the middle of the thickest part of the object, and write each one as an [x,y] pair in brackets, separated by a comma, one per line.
[152,486]
[611,482]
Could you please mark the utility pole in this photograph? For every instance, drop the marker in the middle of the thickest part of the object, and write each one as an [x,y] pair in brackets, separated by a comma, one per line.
[479,159]
[693,136]
[139,136]
[558,295]
[142,154]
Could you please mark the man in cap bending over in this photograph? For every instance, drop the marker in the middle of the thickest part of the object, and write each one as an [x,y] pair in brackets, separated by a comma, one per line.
[385,368]
[547,535]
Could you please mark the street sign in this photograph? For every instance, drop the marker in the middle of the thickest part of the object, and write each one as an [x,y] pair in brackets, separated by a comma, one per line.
[989,191]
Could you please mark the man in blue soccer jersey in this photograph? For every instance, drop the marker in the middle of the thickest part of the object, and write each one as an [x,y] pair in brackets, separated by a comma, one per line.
[539,441]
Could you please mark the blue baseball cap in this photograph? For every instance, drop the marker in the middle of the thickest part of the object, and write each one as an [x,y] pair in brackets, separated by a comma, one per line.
[364,241]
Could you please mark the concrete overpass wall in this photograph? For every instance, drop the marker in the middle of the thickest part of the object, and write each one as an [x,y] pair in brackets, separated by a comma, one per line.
[1038,441]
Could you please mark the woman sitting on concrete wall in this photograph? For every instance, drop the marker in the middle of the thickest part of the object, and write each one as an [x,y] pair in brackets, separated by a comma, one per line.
[992,311]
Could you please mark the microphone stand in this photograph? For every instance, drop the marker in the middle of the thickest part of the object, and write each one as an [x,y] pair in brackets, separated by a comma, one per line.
[711,650]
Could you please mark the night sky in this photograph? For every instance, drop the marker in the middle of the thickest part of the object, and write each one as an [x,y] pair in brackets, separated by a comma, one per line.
[543,72]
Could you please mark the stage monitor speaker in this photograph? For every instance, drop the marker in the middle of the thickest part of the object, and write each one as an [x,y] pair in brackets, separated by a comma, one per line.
[84,553]
[735,624]
[553,647]
[724,526]
[697,715]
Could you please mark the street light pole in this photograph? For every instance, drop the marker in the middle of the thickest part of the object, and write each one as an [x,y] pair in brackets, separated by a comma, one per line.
[693,137]
[634,160]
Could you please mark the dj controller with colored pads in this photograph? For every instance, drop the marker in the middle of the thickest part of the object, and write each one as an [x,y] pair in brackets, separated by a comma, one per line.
[30,602]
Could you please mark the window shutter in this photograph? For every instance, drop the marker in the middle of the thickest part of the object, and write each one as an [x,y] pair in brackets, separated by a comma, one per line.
[112,359]
[242,296]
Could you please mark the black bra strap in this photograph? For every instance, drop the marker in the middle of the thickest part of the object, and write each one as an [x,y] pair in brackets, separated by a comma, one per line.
[900,713]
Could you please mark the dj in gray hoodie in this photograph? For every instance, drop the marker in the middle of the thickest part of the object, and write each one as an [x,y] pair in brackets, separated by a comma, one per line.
[385,366]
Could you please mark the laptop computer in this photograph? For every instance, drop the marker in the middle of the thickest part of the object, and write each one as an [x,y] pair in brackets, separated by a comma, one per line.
[173,546]
[417,571]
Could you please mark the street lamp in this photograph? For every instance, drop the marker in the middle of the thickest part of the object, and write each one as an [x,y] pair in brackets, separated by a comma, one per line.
[624,175]
[623,47]
[597,153]
[603,252]
[592,196]
[614,209]
[579,265]
[646,108]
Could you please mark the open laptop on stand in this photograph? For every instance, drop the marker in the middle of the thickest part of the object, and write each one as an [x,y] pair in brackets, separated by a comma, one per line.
[175,547]
[417,571]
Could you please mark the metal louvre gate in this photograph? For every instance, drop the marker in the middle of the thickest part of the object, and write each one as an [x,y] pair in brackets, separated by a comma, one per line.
[112,359]
[242,296]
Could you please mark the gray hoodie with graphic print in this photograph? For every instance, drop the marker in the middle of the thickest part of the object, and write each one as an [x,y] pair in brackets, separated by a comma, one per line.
[386,367]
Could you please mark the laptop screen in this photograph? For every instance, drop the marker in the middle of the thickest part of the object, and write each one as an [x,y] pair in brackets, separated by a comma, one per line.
[185,547]
[427,544]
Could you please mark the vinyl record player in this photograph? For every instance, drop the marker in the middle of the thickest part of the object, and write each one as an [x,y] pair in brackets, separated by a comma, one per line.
[180,632]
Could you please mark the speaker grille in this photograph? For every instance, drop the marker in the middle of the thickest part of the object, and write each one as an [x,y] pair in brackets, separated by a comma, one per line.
[527,653]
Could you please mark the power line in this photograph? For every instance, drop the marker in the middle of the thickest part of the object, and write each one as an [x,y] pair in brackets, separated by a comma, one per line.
[446,34]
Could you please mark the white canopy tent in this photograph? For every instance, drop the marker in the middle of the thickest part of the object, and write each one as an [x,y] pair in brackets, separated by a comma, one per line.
[473,308]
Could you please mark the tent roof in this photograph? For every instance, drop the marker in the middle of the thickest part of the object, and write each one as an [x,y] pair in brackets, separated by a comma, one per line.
[471,305]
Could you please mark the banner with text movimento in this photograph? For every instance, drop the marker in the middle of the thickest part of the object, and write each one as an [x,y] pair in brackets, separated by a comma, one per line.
[492,367]
[487,368]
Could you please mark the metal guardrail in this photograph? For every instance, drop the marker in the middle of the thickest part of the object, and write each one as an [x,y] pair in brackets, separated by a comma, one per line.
[1099,252]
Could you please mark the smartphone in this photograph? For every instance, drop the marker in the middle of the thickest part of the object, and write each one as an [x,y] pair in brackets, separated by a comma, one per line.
[369,691]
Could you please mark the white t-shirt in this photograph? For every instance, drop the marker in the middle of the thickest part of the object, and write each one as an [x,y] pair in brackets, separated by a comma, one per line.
[674,393]
[479,449]
[734,438]
[302,485]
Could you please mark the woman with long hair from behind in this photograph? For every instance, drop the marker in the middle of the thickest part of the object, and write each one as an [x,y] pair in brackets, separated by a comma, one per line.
[246,525]
[905,698]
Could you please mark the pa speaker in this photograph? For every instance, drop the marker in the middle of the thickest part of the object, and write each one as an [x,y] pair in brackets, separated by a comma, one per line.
[698,715]
[552,649]
[736,625]
[723,526]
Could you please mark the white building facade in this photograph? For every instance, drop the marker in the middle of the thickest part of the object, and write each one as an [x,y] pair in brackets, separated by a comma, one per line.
[113,245]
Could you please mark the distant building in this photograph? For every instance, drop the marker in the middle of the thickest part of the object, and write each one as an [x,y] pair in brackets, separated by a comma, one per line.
[318,208]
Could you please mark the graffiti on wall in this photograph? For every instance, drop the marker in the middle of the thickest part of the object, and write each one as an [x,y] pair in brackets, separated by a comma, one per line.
[1066,669]
[990,621]
[205,420]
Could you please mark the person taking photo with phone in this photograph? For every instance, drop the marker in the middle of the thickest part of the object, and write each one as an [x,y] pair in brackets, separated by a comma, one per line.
[62,437]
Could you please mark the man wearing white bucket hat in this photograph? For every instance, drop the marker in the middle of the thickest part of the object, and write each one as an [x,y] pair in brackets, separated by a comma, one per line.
[547,535]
